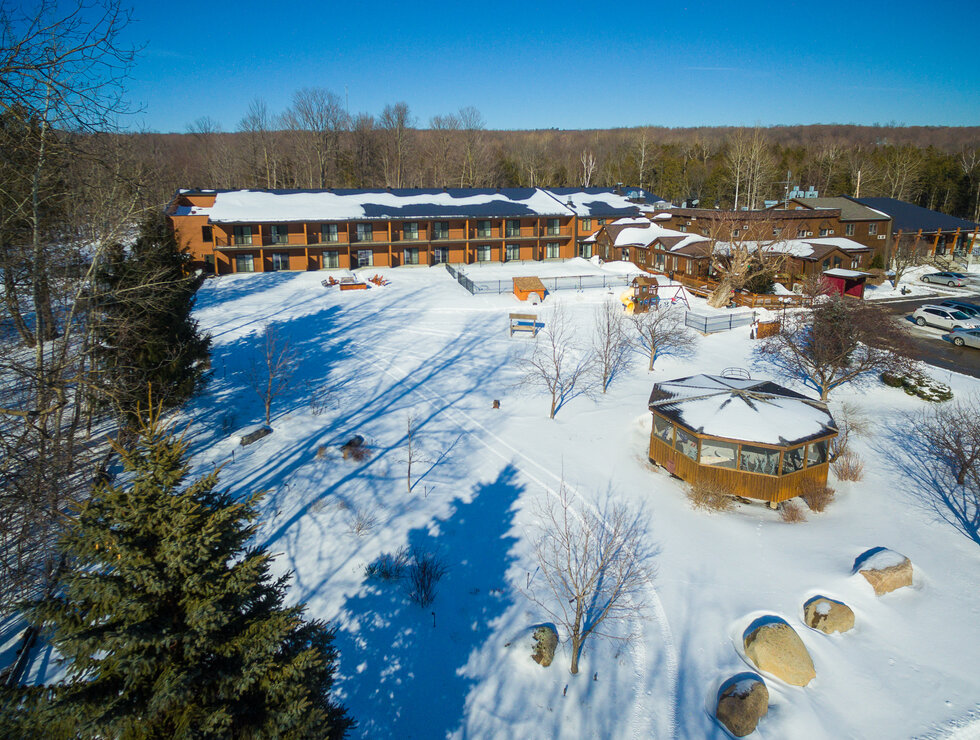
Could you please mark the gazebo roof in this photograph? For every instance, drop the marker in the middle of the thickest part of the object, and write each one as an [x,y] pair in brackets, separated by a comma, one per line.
[748,410]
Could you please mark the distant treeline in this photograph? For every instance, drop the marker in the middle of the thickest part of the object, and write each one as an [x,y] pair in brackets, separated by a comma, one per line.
[316,144]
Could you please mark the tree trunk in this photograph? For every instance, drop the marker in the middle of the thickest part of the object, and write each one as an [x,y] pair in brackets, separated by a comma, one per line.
[721,295]
[576,651]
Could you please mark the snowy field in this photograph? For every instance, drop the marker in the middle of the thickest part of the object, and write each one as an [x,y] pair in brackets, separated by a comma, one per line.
[461,668]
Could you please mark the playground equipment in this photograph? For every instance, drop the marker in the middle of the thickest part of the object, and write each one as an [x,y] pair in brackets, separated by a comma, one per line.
[646,292]
[526,287]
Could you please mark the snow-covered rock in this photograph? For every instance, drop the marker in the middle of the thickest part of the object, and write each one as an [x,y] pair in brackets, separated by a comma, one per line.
[742,701]
[775,647]
[828,615]
[545,642]
[886,570]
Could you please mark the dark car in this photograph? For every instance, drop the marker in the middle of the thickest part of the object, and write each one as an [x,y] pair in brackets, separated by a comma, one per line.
[970,309]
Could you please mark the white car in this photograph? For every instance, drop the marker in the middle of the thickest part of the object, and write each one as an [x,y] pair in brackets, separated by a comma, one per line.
[944,317]
[964,338]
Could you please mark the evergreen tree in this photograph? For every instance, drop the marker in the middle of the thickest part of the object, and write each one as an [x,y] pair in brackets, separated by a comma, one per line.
[170,620]
[146,336]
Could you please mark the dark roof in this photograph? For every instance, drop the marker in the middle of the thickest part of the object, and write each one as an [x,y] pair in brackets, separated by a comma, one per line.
[850,209]
[910,217]
[769,214]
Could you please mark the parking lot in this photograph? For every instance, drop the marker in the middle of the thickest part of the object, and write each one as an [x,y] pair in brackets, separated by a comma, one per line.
[929,343]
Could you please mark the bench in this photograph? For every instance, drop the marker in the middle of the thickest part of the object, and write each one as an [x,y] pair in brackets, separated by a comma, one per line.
[520,322]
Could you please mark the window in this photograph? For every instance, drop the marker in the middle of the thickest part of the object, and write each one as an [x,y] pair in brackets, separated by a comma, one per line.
[328,233]
[855,264]
[483,229]
[718,454]
[601,221]
[793,460]
[663,429]
[687,444]
[209,264]
[440,229]
[365,233]
[551,250]
[513,252]
[440,255]
[331,260]
[848,229]
[586,224]
[826,232]
[816,452]
[735,233]
[279,234]
[365,258]
[624,254]
[206,234]
[800,233]
[777,230]
[410,230]
[483,252]
[243,236]
[411,256]
[682,228]
[758,460]
[554,227]
[512,227]
[585,251]
[280,261]
[243,263]
[826,264]
[872,229]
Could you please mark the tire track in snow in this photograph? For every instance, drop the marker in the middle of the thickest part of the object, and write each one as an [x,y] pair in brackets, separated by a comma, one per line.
[637,648]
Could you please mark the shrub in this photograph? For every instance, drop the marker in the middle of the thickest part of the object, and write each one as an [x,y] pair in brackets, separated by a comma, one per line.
[360,453]
[707,496]
[816,495]
[848,466]
[791,512]
[388,566]
[362,523]
[424,571]
[916,383]
[877,263]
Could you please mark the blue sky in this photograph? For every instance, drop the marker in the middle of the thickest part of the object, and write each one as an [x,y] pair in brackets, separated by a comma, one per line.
[564,65]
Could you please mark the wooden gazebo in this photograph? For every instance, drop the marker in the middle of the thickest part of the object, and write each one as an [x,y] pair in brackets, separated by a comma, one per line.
[753,438]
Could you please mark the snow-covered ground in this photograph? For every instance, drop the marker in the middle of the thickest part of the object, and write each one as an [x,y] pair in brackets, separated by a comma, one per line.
[557,268]
[912,282]
[461,668]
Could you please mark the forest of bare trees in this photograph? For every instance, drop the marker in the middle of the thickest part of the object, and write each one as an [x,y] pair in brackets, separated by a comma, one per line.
[316,143]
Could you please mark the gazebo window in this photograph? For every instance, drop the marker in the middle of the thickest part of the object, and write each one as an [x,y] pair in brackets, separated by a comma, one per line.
[663,429]
[718,454]
[793,460]
[759,460]
[816,452]
[687,443]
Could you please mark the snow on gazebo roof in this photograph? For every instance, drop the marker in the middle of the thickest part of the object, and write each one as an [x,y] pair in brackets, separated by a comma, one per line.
[737,408]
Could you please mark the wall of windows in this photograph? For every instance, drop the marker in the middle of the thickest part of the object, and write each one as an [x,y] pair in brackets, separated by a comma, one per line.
[278,234]
[331,260]
[513,252]
[483,229]
[328,233]
[410,230]
[483,253]
[440,229]
[552,250]
[412,256]
[243,235]
[512,227]
[280,261]
[244,263]
[365,232]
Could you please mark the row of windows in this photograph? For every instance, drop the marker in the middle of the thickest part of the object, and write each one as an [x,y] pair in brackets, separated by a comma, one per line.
[744,457]
[364,232]
[410,256]
[800,233]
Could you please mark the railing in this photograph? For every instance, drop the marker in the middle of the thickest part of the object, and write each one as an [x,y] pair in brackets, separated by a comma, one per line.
[570,282]
[711,323]
[704,287]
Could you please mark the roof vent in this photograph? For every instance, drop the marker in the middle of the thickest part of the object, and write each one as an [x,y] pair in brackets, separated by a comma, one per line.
[736,373]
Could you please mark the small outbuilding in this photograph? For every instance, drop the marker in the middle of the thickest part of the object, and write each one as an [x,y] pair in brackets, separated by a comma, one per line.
[525,287]
[846,282]
[752,438]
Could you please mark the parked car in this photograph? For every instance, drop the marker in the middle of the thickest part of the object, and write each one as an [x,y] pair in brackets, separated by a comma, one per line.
[947,278]
[964,337]
[970,309]
[944,318]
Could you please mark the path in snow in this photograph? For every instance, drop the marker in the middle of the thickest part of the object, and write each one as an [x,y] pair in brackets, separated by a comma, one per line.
[640,719]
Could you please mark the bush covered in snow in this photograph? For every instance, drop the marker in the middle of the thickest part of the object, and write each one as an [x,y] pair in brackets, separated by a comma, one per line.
[918,384]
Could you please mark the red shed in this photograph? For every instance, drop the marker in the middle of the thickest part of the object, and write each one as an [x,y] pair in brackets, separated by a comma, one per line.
[847,282]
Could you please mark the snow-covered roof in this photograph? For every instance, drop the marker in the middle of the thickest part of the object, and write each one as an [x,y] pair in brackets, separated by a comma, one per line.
[842,273]
[241,206]
[813,248]
[748,410]
[191,211]
[642,232]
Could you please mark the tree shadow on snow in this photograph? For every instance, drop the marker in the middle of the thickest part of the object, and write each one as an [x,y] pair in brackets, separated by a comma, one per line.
[933,483]
[400,663]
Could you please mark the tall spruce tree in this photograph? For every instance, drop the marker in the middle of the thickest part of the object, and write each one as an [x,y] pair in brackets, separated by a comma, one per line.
[170,620]
[145,333]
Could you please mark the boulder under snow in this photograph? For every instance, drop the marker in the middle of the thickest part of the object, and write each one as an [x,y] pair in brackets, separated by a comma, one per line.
[742,701]
[775,648]
[886,570]
[828,615]
[545,642]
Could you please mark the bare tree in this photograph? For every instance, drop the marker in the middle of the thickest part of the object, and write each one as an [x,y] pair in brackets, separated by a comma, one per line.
[412,450]
[744,247]
[909,251]
[851,423]
[395,121]
[837,341]
[320,114]
[953,429]
[596,565]
[610,343]
[659,332]
[270,372]
[588,167]
[557,364]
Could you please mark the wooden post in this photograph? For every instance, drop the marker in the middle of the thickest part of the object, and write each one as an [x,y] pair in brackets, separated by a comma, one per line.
[935,242]
[466,245]
[389,244]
